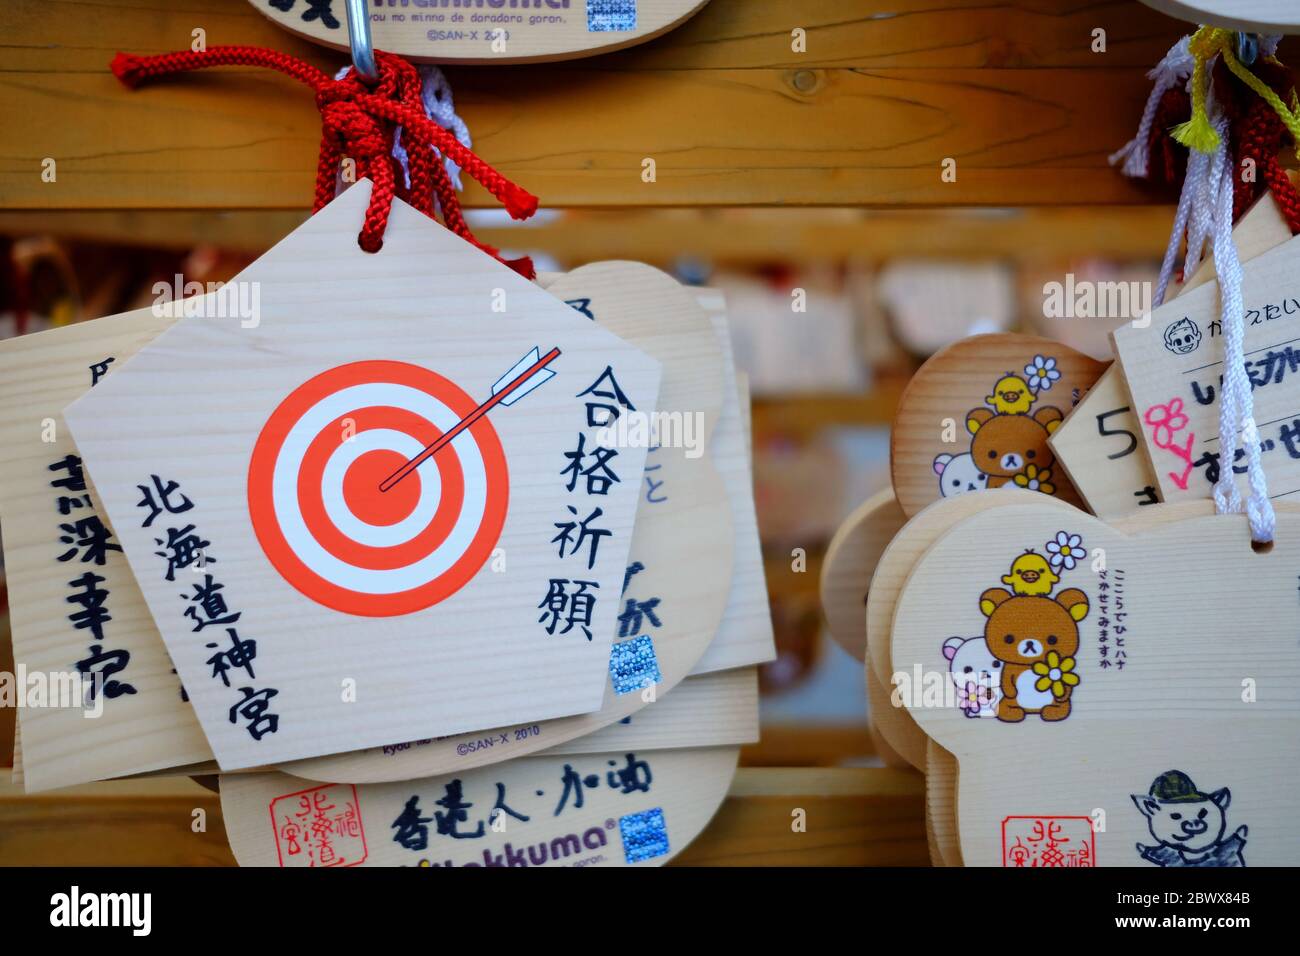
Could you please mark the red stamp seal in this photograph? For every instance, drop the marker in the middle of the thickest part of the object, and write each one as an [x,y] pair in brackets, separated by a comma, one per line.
[319,827]
[1048,841]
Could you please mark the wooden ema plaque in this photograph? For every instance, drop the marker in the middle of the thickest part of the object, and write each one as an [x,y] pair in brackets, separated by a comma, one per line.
[888,716]
[1099,443]
[977,416]
[1174,367]
[941,766]
[618,808]
[1251,16]
[76,611]
[240,460]
[69,750]
[708,710]
[850,562]
[487,31]
[671,607]
[745,635]
[1131,717]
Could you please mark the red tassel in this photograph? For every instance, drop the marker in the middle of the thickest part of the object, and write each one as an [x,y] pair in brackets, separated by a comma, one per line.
[360,122]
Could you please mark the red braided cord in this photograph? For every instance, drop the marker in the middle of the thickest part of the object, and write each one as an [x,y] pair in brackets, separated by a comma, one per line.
[1258,135]
[1237,102]
[132,70]
[360,122]
[1175,107]
[519,202]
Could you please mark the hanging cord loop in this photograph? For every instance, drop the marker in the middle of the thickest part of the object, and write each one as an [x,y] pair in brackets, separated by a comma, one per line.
[1211,217]
[439,106]
[361,122]
[1208,42]
[1169,74]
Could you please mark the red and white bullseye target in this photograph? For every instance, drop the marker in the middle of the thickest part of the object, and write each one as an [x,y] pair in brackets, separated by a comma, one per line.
[314,489]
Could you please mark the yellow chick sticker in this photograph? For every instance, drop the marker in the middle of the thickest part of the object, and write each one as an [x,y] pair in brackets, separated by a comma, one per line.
[1011,396]
[1031,575]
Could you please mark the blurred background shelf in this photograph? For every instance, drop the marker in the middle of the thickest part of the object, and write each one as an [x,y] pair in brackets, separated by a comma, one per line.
[728,111]
[663,237]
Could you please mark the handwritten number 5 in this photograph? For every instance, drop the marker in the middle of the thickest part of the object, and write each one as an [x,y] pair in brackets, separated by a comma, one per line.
[1106,433]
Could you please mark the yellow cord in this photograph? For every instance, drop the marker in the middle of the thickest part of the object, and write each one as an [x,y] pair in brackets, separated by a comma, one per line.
[1198,133]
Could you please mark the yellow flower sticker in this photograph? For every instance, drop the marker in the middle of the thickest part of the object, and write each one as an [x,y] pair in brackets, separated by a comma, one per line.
[1056,672]
[1036,479]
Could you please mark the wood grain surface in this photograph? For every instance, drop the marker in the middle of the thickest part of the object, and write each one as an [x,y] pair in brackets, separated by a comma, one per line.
[728,111]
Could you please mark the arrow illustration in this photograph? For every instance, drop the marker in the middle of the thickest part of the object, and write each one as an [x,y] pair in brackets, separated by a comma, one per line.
[526,374]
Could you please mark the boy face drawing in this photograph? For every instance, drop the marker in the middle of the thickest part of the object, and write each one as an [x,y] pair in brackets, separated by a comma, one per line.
[1182,337]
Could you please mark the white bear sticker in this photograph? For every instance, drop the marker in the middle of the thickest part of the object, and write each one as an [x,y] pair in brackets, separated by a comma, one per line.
[977,674]
[958,475]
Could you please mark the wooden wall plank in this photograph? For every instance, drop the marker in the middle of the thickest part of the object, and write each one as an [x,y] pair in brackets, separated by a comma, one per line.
[910,33]
[794,235]
[854,817]
[72,35]
[810,745]
[1029,122]
[112,831]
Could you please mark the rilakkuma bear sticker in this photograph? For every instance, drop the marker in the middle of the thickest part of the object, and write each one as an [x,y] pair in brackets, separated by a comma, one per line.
[474,31]
[1058,778]
[849,564]
[678,574]
[978,414]
[1009,442]
[301,530]
[888,716]
[620,808]
[1030,638]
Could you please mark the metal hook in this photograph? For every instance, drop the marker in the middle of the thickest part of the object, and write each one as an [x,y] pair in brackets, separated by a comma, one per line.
[363,50]
[1247,48]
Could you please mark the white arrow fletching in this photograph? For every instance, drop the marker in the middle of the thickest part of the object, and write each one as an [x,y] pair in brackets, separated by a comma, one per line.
[538,378]
[523,365]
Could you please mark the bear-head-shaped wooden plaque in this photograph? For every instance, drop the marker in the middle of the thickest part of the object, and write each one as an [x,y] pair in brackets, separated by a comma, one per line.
[977,416]
[1130,691]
